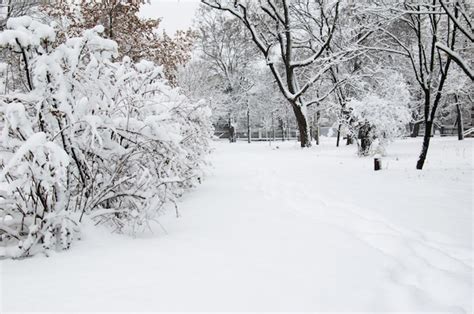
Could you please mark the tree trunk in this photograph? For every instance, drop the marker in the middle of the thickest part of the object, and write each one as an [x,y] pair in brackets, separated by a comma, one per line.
[249,134]
[459,121]
[288,131]
[282,127]
[349,140]
[305,140]
[350,136]
[338,134]
[273,127]
[426,145]
[111,27]
[416,130]
[316,127]
[365,140]
[232,133]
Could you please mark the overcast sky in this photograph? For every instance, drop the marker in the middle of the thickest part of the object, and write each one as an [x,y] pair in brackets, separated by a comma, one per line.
[176,14]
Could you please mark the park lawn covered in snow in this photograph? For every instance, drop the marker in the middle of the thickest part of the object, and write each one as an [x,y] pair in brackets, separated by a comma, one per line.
[281,230]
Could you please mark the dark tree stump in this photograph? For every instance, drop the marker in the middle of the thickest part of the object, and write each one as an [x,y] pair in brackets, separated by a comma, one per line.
[377,164]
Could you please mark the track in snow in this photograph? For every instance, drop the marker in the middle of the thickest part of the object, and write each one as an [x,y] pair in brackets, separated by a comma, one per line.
[281,230]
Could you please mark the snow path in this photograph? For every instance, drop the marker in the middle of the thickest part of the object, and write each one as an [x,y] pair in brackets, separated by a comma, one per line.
[281,230]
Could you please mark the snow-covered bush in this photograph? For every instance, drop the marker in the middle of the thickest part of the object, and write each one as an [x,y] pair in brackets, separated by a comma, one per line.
[88,136]
[382,114]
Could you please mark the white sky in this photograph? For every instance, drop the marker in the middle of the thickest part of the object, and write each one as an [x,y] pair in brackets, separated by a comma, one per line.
[176,14]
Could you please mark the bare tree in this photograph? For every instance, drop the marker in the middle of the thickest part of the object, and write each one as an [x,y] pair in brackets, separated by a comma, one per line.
[460,18]
[430,28]
[294,38]
[227,54]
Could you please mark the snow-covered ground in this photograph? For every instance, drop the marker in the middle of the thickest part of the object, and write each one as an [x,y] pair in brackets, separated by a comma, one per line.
[281,230]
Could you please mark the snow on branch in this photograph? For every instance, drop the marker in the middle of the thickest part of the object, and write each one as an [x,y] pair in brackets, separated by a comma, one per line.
[457,58]
[91,138]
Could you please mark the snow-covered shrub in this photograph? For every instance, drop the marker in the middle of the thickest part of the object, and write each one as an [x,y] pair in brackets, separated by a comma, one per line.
[382,114]
[88,136]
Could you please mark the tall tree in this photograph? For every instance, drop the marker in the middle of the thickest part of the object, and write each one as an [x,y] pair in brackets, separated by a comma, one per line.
[429,28]
[223,47]
[294,38]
